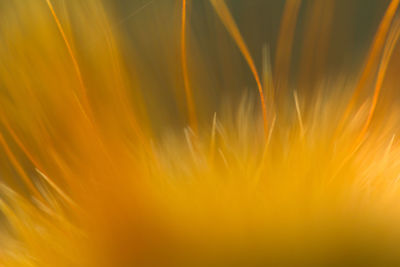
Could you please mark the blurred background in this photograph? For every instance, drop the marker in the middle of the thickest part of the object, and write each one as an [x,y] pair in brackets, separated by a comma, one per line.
[331,40]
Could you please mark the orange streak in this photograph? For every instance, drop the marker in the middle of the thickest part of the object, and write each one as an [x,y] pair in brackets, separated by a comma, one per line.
[85,107]
[315,43]
[188,91]
[70,51]
[373,54]
[284,43]
[388,51]
[19,168]
[227,19]
[19,143]
[34,162]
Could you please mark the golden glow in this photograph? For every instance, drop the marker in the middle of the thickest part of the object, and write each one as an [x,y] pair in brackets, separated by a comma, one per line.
[92,173]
